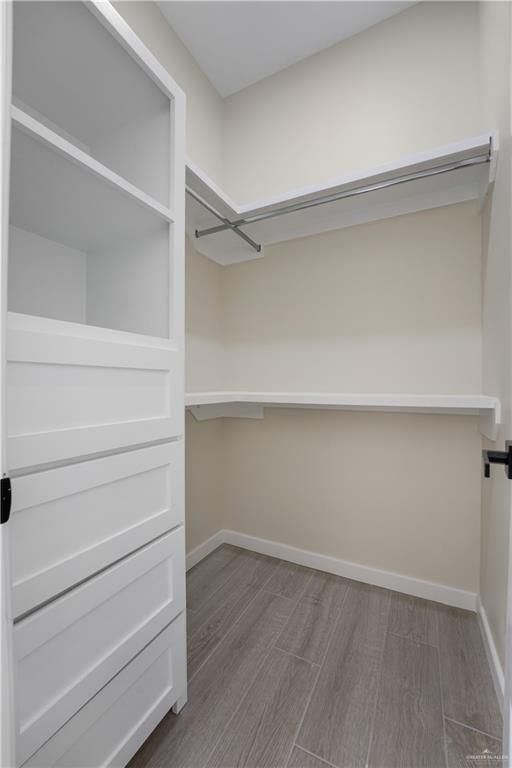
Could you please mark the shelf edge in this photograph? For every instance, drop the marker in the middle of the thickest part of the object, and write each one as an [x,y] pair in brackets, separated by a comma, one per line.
[57,143]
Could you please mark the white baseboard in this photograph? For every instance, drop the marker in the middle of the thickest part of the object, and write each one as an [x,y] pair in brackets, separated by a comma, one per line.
[492,654]
[397,582]
[199,553]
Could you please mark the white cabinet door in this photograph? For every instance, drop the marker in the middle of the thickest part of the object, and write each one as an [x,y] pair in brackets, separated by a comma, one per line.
[68,650]
[75,390]
[109,729]
[69,523]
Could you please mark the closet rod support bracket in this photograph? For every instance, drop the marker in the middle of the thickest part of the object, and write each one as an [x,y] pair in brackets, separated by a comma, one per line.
[226,224]
[222,228]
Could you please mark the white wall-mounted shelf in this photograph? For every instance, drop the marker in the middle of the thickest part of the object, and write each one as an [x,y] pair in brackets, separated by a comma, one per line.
[109,100]
[58,191]
[469,182]
[57,143]
[209,405]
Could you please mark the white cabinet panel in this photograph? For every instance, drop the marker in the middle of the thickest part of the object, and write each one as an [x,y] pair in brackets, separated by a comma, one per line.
[69,523]
[75,390]
[110,728]
[67,651]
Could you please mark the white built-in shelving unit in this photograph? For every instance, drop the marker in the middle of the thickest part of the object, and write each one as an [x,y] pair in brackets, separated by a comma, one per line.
[95,389]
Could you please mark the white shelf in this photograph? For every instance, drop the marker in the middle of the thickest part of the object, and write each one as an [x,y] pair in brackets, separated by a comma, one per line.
[99,184]
[467,183]
[53,197]
[109,99]
[205,405]
[50,138]
[24,324]
[85,244]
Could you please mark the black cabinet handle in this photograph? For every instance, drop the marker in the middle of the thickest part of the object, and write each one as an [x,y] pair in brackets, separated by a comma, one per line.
[5,499]
[498,457]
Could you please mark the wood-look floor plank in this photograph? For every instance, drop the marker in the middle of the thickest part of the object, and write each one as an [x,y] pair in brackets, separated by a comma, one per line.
[309,629]
[290,580]
[262,732]
[467,748]
[414,618]
[337,723]
[210,625]
[256,571]
[215,692]
[468,693]
[210,574]
[408,730]
[301,759]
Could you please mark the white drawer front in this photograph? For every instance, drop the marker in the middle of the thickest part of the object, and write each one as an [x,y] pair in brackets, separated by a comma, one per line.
[69,523]
[73,390]
[110,728]
[68,650]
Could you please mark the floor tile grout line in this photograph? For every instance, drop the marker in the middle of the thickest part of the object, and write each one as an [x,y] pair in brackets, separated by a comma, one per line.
[296,656]
[256,673]
[412,639]
[262,588]
[242,699]
[299,725]
[379,685]
[225,635]
[445,741]
[317,757]
[337,615]
[335,624]
[338,619]
[296,605]
[258,589]
[263,661]
[471,728]
[198,610]
[297,599]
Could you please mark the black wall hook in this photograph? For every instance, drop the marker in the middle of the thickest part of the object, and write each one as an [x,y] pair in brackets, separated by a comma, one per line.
[499,457]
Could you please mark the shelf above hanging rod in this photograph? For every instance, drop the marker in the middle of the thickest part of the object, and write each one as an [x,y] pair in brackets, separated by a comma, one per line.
[446,175]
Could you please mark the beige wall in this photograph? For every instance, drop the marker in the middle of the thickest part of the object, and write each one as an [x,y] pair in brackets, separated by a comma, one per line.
[495,19]
[404,85]
[204,370]
[395,492]
[372,306]
[205,362]
[204,480]
[390,306]
[407,84]
[205,107]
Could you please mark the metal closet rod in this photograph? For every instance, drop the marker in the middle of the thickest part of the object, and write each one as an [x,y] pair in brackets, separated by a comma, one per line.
[226,222]
[323,200]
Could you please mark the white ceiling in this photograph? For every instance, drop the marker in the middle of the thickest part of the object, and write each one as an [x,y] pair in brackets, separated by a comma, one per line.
[238,42]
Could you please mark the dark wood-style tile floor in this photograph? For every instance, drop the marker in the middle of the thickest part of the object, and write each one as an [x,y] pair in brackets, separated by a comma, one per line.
[295,668]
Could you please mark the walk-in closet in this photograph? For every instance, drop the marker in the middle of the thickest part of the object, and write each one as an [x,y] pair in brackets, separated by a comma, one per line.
[256,369]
